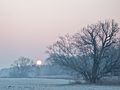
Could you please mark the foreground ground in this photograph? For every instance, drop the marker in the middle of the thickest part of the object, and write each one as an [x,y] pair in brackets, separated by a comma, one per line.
[47,84]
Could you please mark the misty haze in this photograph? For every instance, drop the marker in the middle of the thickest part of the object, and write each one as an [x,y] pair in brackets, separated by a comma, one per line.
[59,45]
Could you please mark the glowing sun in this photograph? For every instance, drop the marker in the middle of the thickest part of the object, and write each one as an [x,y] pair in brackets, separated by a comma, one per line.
[39,62]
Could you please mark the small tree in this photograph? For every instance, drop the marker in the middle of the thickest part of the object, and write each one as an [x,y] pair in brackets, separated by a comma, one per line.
[21,67]
[92,53]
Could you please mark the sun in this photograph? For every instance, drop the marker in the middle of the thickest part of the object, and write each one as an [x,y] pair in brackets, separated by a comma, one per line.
[39,62]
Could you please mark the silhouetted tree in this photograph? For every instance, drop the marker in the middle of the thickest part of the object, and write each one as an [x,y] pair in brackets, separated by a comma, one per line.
[21,67]
[92,53]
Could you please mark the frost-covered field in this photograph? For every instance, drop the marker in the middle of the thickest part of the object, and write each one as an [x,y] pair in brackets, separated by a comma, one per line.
[47,84]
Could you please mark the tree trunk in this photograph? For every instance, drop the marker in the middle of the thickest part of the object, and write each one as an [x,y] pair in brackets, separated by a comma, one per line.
[94,72]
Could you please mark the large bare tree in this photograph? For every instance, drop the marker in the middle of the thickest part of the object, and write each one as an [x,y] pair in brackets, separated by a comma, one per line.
[92,53]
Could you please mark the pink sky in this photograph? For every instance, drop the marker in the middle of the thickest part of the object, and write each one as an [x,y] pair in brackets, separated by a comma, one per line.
[27,27]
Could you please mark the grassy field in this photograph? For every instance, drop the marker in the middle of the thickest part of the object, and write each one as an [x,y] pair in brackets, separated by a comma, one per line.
[47,84]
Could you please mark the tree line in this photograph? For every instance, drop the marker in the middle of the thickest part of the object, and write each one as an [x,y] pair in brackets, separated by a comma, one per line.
[24,67]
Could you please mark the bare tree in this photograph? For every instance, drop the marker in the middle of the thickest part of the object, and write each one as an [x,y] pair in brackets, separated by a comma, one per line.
[92,53]
[21,67]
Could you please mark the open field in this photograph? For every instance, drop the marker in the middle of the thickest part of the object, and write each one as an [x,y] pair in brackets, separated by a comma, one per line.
[47,84]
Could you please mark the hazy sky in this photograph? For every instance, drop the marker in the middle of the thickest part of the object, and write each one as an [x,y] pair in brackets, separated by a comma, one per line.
[27,27]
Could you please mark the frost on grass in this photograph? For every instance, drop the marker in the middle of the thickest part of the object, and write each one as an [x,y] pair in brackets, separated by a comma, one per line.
[47,84]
